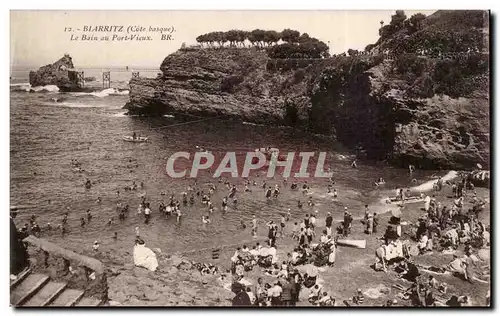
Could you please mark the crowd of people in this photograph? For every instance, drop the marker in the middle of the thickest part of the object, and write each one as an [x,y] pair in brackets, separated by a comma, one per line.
[443,228]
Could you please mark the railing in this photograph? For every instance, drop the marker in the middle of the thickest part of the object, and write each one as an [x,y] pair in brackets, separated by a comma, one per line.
[78,271]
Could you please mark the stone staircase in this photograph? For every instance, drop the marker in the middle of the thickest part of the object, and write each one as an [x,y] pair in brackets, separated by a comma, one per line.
[36,289]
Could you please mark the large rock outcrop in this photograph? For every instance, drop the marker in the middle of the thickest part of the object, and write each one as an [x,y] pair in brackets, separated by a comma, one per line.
[229,82]
[56,74]
[414,107]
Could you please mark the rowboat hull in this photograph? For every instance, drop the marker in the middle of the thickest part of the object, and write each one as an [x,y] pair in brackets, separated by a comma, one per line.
[136,140]
[394,200]
[360,244]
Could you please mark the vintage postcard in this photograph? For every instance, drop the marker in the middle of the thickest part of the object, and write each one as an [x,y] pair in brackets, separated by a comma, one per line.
[250,158]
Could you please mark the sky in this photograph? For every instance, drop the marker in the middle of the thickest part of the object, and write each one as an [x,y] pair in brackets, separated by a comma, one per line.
[39,37]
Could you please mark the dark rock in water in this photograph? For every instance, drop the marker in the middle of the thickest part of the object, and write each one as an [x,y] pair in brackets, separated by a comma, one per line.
[89,79]
[407,108]
[55,74]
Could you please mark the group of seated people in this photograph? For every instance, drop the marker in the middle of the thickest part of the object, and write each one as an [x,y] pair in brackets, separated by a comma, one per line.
[244,259]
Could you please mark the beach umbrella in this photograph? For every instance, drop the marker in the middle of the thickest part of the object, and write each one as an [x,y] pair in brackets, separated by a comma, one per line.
[310,269]
[396,213]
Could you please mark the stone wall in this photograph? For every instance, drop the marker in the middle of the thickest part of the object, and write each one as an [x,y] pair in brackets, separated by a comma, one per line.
[78,271]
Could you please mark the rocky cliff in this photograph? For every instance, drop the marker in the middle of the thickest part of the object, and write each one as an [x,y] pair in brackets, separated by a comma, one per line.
[401,101]
[56,74]
[230,82]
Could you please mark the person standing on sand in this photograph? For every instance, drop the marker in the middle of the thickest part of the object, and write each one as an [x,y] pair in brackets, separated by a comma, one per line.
[254,226]
[178,212]
[312,220]
[332,255]
[310,234]
[147,214]
[259,292]
[306,221]
[328,223]
[348,223]
[287,292]
[302,237]
[369,224]
[282,226]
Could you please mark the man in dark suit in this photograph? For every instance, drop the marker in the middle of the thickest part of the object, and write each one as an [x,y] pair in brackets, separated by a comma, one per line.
[18,252]
[241,298]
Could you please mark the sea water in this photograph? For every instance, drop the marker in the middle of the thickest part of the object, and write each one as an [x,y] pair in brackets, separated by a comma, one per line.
[49,128]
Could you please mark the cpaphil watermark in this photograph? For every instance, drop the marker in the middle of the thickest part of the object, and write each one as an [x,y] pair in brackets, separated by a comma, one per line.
[242,164]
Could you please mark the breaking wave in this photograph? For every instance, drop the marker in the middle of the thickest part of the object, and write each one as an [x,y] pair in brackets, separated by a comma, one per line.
[102,93]
[26,87]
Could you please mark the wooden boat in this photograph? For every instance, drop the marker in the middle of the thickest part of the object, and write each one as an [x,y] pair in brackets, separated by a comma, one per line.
[136,140]
[361,244]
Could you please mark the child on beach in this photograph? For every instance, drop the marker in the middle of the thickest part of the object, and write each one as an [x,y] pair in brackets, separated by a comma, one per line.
[178,211]
[295,231]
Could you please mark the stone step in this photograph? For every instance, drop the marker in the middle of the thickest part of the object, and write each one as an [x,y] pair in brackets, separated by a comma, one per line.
[20,277]
[68,297]
[27,288]
[46,294]
[88,301]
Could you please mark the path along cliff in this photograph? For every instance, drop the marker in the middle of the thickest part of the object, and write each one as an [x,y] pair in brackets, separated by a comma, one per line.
[409,105]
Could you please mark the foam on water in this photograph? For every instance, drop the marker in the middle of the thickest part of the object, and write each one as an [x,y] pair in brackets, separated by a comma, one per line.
[102,93]
[120,114]
[26,87]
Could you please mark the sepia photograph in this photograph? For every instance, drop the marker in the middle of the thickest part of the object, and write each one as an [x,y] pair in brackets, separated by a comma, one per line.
[307,158]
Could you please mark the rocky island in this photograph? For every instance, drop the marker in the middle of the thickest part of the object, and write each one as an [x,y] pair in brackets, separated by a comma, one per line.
[61,74]
[419,95]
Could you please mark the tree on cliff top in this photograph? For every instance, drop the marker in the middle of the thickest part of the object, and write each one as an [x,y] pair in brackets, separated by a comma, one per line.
[295,45]
[272,37]
[290,36]
[257,36]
